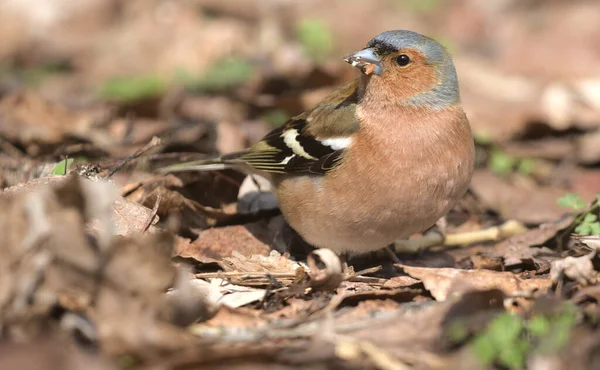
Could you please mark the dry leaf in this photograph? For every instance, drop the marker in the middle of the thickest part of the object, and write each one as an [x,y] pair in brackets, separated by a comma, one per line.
[116,282]
[528,245]
[273,263]
[442,283]
[579,269]
[217,243]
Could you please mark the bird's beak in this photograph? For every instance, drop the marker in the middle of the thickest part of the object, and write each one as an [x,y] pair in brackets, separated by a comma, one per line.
[366,60]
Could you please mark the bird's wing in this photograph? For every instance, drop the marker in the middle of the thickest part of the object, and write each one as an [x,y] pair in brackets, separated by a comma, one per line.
[313,142]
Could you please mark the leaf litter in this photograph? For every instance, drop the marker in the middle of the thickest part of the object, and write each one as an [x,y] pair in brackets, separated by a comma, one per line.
[116,266]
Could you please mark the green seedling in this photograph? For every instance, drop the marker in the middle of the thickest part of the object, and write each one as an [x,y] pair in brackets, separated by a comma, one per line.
[509,339]
[586,223]
[61,168]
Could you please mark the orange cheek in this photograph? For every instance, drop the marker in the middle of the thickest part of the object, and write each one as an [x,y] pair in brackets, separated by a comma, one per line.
[409,82]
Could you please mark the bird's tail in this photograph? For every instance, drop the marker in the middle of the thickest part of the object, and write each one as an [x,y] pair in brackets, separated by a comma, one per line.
[210,164]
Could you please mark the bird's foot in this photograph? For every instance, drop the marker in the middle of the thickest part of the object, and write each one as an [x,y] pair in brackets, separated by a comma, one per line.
[391,253]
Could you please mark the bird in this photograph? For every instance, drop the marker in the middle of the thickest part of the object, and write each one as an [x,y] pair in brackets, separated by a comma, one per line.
[383,157]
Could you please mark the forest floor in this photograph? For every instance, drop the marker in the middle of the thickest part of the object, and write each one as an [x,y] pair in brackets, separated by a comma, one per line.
[107,264]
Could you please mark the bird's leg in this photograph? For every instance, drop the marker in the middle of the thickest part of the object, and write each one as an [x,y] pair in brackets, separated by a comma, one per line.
[390,250]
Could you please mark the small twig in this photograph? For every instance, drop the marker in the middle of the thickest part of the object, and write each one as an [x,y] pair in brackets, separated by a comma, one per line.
[364,272]
[244,275]
[496,233]
[152,214]
[268,276]
[261,274]
[509,228]
[155,141]
[372,281]
[66,164]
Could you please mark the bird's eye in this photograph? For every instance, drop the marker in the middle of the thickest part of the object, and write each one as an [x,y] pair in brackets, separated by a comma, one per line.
[402,60]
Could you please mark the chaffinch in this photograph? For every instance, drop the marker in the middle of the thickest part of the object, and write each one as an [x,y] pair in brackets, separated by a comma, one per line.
[382,157]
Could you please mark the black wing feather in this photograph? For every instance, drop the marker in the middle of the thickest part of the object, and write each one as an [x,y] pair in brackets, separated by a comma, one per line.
[334,117]
[274,159]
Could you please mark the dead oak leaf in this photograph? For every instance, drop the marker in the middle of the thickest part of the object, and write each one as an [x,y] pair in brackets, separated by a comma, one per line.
[444,282]
[273,263]
[524,246]
[130,217]
[400,282]
[213,245]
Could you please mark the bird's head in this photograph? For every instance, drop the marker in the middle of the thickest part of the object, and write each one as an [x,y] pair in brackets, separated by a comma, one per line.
[409,68]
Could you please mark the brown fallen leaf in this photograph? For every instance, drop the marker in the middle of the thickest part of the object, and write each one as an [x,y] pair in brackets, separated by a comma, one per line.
[128,217]
[590,241]
[197,200]
[529,245]
[172,204]
[442,283]
[132,313]
[273,263]
[112,288]
[487,262]
[212,245]
[400,282]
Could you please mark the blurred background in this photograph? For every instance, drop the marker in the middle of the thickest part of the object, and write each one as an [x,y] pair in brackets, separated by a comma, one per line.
[94,80]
